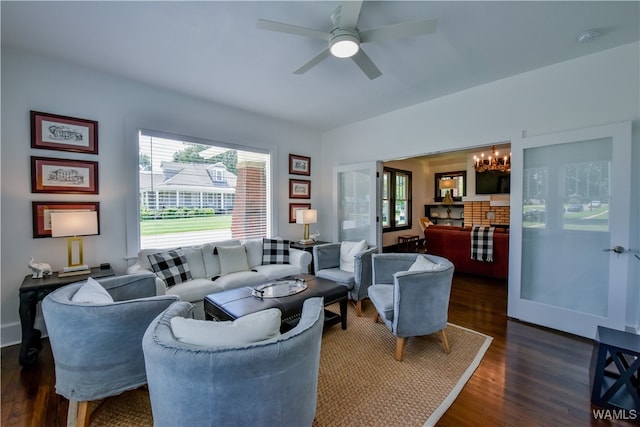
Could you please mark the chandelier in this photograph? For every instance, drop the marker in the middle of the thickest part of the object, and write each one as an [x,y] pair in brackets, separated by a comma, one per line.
[492,163]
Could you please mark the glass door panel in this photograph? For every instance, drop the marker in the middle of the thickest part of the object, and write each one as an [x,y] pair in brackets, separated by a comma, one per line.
[566,212]
[357,203]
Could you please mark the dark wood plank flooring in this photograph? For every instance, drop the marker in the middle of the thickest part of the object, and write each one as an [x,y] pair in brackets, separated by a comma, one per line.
[530,376]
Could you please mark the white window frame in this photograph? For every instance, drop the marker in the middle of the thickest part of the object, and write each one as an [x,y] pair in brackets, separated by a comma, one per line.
[133,193]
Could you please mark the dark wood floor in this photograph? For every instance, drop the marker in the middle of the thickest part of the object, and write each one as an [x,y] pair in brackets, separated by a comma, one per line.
[530,376]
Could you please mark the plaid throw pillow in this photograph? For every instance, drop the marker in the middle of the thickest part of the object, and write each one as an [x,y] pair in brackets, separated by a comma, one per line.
[170,266]
[275,251]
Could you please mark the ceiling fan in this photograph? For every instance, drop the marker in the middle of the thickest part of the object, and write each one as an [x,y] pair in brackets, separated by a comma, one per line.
[345,38]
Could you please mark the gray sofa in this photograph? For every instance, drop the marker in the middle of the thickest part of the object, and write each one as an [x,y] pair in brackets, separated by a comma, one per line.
[207,272]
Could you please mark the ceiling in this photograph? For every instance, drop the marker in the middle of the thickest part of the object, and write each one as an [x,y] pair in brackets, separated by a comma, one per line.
[213,50]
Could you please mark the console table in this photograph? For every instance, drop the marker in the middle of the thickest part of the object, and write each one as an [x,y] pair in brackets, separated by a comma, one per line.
[31,292]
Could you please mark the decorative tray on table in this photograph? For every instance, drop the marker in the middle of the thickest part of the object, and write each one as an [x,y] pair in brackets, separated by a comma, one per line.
[279,288]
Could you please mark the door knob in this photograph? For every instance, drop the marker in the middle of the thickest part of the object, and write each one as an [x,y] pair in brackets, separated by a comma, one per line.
[616,249]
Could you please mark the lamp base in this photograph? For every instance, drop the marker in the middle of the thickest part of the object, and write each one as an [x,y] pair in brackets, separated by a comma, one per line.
[305,241]
[74,273]
[82,267]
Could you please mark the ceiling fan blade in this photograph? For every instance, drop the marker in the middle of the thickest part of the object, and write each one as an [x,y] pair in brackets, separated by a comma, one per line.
[349,13]
[263,24]
[315,61]
[366,65]
[396,31]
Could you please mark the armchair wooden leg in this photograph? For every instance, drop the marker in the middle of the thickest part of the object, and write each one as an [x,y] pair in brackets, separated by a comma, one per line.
[359,308]
[401,341]
[445,342]
[83,414]
[376,317]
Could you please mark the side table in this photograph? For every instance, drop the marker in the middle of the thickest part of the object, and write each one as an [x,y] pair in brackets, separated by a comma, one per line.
[31,292]
[616,376]
[308,247]
[408,243]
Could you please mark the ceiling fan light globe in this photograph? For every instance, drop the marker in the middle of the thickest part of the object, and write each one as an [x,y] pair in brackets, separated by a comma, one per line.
[344,46]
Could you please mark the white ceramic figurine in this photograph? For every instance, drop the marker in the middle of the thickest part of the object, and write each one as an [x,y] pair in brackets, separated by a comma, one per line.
[39,269]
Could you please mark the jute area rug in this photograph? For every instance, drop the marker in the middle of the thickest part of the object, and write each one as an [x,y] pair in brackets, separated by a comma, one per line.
[360,383]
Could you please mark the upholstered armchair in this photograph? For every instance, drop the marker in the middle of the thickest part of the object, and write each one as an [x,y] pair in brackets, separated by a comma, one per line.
[357,277]
[411,295]
[97,347]
[265,383]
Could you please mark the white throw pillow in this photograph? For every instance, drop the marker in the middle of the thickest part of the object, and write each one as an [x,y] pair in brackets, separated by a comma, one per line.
[232,259]
[248,329]
[423,263]
[348,250]
[92,292]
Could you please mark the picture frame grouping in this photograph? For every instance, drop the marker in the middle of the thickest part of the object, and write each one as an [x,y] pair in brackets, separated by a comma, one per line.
[56,175]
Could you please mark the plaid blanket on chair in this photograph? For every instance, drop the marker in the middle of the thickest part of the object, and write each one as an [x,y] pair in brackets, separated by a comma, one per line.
[482,243]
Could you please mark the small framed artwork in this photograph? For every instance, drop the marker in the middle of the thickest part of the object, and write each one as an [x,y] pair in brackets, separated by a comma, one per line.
[42,214]
[293,207]
[54,132]
[299,189]
[299,165]
[50,175]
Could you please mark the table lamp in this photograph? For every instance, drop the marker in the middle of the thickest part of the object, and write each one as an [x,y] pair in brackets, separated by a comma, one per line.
[74,224]
[449,185]
[306,217]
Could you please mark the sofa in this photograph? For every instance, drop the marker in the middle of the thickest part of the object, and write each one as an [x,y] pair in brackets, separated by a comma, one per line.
[454,243]
[192,272]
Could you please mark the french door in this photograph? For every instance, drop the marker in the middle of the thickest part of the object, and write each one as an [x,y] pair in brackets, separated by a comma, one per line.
[570,216]
[356,203]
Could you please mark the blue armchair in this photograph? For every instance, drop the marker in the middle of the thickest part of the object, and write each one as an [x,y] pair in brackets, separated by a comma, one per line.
[97,348]
[326,258]
[411,301]
[266,383]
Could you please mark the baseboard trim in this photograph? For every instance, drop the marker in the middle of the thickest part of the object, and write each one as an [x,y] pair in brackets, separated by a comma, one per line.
[11,334]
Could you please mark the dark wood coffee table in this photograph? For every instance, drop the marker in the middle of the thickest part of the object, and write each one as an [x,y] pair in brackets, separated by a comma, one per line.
[234,303]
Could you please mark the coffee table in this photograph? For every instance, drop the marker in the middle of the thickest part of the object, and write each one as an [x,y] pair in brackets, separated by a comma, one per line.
[234,303]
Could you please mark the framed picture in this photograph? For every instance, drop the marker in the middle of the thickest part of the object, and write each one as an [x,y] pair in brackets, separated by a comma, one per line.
[54,132]
[299,189]
[293,207]
[50,175]
[42,214]
[299,165]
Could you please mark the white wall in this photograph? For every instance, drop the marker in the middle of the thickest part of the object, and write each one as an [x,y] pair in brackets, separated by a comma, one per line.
[588,91]
[37,83]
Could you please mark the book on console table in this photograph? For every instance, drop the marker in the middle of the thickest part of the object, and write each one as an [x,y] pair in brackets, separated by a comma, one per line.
[73,273]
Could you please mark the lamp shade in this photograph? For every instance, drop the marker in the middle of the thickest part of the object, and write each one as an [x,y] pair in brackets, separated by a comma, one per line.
[446,184]
[306,216]
[74,223]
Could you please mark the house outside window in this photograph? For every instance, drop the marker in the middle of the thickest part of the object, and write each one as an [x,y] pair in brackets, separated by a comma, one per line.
[396,200]
[196,192]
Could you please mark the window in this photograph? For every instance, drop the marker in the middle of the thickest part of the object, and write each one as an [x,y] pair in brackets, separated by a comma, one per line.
[457,193]
[396,199]
[193,192]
